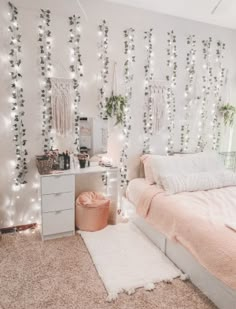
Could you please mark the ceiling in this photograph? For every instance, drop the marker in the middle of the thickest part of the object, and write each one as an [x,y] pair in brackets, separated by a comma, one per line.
[198,10]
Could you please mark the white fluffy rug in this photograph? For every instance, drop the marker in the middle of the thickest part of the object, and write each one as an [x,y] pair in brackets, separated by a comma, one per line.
[126,259]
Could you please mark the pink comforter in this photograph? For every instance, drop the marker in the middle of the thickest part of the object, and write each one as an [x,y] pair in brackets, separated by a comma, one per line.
[196,220]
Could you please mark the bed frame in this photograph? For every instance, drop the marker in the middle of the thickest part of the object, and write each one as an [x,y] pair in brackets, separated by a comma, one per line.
[220,294]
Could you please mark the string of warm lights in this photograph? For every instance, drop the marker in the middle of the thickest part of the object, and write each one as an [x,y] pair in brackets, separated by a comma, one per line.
[207,79]
[188,94]
[45,46]
[170,93]
[17,98]
[148,93]
[219,81]
[76,69]
[104,67]
[129,50]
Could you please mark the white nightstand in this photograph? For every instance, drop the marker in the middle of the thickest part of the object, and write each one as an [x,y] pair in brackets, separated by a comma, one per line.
[58,199]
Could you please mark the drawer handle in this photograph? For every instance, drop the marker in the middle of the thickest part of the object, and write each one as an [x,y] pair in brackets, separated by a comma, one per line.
[58,212]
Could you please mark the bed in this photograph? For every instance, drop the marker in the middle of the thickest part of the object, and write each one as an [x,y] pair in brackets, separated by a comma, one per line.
[190,228]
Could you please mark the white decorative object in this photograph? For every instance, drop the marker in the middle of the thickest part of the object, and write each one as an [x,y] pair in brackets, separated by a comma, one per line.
[127,259]
[159,105]
[61,106]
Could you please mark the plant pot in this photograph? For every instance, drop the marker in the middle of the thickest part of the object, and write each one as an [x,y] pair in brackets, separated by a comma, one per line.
[82,163]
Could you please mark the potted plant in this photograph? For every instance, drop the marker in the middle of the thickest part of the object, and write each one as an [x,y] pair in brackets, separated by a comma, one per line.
[115,107]
[228,112]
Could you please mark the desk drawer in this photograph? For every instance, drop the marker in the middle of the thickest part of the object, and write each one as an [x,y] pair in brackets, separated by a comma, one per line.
[58,201]
[57,184]
[58,222]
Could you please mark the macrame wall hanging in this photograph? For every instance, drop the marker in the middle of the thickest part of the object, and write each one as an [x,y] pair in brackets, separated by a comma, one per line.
[159,105]
[17,97]
[61,106]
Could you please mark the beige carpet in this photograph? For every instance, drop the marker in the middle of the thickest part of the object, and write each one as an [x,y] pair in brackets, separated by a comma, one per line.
[59,274]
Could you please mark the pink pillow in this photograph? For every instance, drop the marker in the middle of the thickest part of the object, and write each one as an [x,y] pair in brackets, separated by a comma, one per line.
[146,160]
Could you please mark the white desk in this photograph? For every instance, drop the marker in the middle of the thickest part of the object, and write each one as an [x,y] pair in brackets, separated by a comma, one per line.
[58,198]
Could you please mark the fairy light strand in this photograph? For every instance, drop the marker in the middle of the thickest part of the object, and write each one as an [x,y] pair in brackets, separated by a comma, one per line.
[76,69]
[104,67]
[219,82]
[46,72]
[148,91]
[188,93]
[129,50]
[17,100]
[170,93]
[207,80]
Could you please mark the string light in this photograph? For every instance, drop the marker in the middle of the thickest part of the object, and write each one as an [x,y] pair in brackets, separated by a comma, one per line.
[148,98]
[219,82]
[206,91]
[170,93]
[189,96]
[129,50]
[46,73]
[76,69]
[17,99]
[104,67]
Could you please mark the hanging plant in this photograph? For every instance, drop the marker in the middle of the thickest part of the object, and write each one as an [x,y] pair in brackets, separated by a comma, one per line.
[228,112]
[115,107]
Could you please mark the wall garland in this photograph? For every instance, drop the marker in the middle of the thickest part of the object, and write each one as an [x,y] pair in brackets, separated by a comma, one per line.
[129,50]
[46,70]
[76,69]
[219,82]
[148,91]
[188,94]
[104,67]
[17,98]
[207,80]
[170,95]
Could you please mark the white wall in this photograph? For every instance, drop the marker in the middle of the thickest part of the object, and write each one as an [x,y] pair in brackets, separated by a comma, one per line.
[23,207]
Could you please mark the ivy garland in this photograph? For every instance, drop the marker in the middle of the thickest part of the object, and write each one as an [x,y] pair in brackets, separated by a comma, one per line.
[76,69]
[219,81]
[129,50]
[17,97]
[148,98]
[171,79]
[207,80]
[188,94]
[46,69]
[104,67]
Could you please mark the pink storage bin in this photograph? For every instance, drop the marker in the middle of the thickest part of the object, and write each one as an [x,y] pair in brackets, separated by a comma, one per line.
[92,211]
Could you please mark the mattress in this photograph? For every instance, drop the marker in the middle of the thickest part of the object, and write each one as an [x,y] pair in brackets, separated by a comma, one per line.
[196,220]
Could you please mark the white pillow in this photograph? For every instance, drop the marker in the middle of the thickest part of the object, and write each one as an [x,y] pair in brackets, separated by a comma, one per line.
[186,164]
[198,181]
